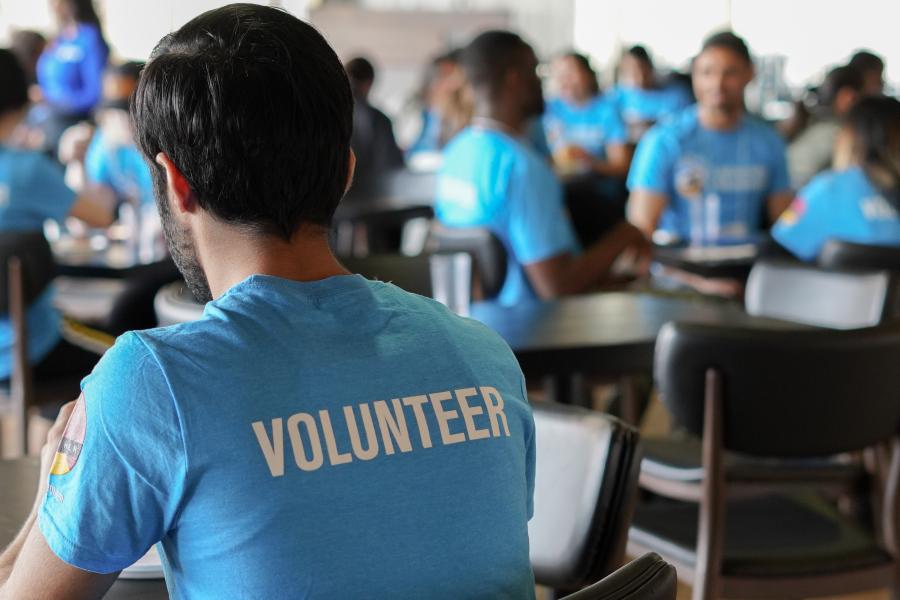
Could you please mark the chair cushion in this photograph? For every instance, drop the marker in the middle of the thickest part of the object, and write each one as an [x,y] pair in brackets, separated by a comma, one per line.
[679,458]
[774,535]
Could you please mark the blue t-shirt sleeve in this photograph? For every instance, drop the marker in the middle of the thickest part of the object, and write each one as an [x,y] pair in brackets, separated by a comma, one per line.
[616,131]
[86,97]
[96,164]
[653,166]
[780,181]
[120,495]
[803,227]
[46,194]
[538,226]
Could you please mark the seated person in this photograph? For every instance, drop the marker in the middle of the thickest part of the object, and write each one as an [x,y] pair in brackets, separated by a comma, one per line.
[871,66]
[859,201]
[373,133]
[32,190]
[583,127]
[810,152]
[643,99]
[314,434]
[442,79]
[491,177]
[706,175]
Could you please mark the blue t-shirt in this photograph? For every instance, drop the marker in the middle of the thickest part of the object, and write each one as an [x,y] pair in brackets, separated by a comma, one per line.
[120,167]
[638,104]
[331,439]
[840,205]
[591,126]
[429,139]
[716,180]
[488,179]
[70,70]
[32,190]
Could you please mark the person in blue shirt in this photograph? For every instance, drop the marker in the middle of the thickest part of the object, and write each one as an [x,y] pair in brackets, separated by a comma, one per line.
[859,201]
[70,70]
[32,190]
[491,177]
[712,173]
[582,125]
[314,434]
[643,99]
[442,80]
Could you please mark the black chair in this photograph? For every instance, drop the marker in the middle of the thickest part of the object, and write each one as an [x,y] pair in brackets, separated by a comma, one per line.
[796,399]
[839,299]
[587,466]
[851,256]
[647,578]
[411,273]
[487,251]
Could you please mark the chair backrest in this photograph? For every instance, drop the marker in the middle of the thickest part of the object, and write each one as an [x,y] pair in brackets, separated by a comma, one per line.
[807,294]
[851,256]
[801,393]
[646,578]
[411,273]
[487,251]
[401,184]
[37,265]
[587,467]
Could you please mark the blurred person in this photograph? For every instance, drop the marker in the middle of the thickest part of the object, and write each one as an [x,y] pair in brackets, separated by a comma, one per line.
[641,97]
[811,151]
[582,125]
[373,140]
[28,46]
[708,174]
[859,200]
[259,444]
[491,177]
[443,79]
[70,70]
[871,66]
[32,191]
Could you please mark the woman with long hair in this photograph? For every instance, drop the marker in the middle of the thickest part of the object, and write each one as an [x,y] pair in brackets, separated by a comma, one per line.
[858,201]
[70,70]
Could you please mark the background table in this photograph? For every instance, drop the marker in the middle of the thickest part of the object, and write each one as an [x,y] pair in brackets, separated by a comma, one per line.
[714,262]
[18,484]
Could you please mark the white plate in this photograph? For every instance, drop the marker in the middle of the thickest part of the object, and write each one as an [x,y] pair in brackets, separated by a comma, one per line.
[148,566]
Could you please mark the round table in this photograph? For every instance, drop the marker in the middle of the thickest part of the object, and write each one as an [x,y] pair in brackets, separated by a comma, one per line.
[18,484]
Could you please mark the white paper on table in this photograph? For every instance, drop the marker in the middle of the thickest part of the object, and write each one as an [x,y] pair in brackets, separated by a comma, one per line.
[148,566]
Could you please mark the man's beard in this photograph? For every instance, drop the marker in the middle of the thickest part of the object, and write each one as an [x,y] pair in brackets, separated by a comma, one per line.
[181,245]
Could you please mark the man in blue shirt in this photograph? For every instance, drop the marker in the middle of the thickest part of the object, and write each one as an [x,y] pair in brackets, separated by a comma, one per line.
[707,175]
[314,434]
[492,178]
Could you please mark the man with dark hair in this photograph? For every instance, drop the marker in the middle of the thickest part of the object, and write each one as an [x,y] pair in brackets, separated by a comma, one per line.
[871,67]
[373,140]
[810,153]
[492,178]
[314,434]
[706,175]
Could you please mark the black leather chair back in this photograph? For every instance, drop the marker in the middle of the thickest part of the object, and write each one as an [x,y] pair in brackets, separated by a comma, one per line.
[785,393]
[411,273]
[850,256]
[587,467]
[38,267]
[646,578]
[487,251]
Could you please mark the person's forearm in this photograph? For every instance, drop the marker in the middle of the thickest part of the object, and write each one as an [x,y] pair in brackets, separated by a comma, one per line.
[11,553]
[593,266]
[609,168]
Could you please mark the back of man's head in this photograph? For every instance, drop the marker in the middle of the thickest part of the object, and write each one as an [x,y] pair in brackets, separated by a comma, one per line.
[362,75]
[729,41]
[13,83]
[840,78]
[487,59]
[864,61]
[254,108]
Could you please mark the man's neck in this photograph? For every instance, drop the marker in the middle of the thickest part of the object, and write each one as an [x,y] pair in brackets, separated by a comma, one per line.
[720,119]
[230,255]
[506,119]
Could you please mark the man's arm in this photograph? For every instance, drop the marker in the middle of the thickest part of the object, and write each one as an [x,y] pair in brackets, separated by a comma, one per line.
[777,203]
[566,274]
[617,162]
[28,567]
[645,209]
[93,206]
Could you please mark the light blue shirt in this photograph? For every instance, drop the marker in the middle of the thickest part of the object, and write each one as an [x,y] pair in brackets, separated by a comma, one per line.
[120,167]
[489,179]
[32,190]
[591,126]
[841,205]
[638,104]
[717,180]
[70,70]
[338,438]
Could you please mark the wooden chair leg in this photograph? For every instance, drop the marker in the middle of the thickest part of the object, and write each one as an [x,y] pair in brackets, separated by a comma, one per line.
[710,530]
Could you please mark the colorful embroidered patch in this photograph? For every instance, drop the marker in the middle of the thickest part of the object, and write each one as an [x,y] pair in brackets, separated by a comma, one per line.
[73,437]
[794,211]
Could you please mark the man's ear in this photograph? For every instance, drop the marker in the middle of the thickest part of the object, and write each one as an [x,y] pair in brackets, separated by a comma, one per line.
[351,169]
[178,188]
